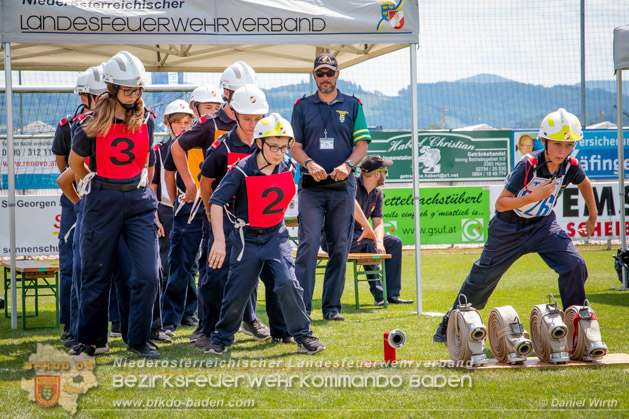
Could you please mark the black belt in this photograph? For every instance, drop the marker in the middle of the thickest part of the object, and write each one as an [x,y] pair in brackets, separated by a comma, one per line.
[123,187]
[261,231]
[511,217]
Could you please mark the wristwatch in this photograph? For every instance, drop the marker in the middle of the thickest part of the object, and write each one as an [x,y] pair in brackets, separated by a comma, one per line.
[350,164]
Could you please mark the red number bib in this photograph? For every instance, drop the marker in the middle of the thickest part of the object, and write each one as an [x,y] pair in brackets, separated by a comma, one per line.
[269,197]
[233,158]
[121,154]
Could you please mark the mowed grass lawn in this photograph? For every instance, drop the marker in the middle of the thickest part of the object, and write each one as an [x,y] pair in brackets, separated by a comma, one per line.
[562,392]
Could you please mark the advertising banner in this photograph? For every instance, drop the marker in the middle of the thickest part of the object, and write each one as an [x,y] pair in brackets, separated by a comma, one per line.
[35,164]
[37,222]
[597,152]
[447,215]
[446,156]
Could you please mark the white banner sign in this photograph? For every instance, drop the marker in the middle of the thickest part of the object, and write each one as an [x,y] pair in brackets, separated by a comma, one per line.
[35,164]
[210,21]
[572,213]
[37,222]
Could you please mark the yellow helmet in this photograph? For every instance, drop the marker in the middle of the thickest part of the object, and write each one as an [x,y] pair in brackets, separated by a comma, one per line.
[560,125]
[273,126]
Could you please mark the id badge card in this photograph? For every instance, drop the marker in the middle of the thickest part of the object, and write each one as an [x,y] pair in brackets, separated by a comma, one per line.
[326,143]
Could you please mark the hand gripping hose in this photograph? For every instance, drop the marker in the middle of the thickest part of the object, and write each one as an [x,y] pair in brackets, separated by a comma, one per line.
[584,333]
[466,334]
[549,333]
[507,337]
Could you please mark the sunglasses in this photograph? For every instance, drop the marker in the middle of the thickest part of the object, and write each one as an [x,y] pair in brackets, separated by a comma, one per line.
[329,73]
[132,92]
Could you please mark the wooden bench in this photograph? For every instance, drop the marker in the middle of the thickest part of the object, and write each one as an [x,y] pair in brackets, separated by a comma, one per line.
[362,259]
[32,275]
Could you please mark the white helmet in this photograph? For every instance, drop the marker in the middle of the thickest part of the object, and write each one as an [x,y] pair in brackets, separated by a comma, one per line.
[125,69]
[91,81]
[206,94]
[237,75]
[560,125]
[273,126]
[81,83]
[249,100]
[178,106]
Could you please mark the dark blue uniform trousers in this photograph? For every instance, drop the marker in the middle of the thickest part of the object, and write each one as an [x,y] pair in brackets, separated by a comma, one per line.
[212,287]
[203,266]
[332,210]
[181,289]
[273,250]
[393,247]
[68,219]
[165,215]
[114,312]
[76,269]
[508,241]
[107,216]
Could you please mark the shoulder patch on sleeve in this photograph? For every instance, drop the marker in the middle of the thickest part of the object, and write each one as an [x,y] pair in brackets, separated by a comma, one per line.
[300,99]
[216,144]
[532,161]
[574,161]
[359,101]
[82,117]
[203,120]
[153,113]
[63,122]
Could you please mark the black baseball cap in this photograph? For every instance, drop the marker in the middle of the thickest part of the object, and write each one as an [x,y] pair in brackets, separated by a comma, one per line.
[373,163]
[326,60]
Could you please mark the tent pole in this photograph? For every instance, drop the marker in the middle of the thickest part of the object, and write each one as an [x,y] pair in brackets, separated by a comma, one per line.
[621,171]
[418,260]
[9,102]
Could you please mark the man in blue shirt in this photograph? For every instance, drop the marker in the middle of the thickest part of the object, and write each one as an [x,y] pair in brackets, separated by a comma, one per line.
[331,136]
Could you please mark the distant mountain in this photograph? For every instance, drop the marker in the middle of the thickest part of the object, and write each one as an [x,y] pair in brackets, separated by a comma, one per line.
[485,98]
[485,78]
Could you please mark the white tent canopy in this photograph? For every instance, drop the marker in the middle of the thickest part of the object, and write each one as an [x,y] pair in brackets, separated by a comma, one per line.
[621,62]
[204,36]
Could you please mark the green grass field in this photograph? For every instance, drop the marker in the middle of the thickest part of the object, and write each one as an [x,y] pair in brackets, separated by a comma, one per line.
[343,390]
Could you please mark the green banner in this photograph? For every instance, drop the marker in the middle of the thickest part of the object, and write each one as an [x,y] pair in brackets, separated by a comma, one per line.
[447,215]
[445,155]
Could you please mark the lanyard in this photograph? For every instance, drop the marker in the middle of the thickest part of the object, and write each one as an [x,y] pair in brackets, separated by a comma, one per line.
[325,120]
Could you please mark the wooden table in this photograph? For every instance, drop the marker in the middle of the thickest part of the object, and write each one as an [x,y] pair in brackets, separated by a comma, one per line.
[32,275]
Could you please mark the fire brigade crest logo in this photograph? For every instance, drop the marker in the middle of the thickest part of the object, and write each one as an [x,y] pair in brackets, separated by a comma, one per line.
[392,13]
[59,378]
[47,388]
[342,115]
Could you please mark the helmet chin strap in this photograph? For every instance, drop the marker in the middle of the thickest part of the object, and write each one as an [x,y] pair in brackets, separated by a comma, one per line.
[268,163]
[127,107]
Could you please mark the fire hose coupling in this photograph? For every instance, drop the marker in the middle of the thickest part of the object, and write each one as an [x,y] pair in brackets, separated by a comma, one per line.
[549,332]
[509,341]
[584,333]
[393,340]
[466,334]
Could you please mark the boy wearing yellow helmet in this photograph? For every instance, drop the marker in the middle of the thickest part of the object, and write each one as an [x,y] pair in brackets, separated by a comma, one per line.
[263,186]
[525,221]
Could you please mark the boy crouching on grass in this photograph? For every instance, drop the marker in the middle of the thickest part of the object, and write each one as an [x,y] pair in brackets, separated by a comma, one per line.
[525,221]
[263,186]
